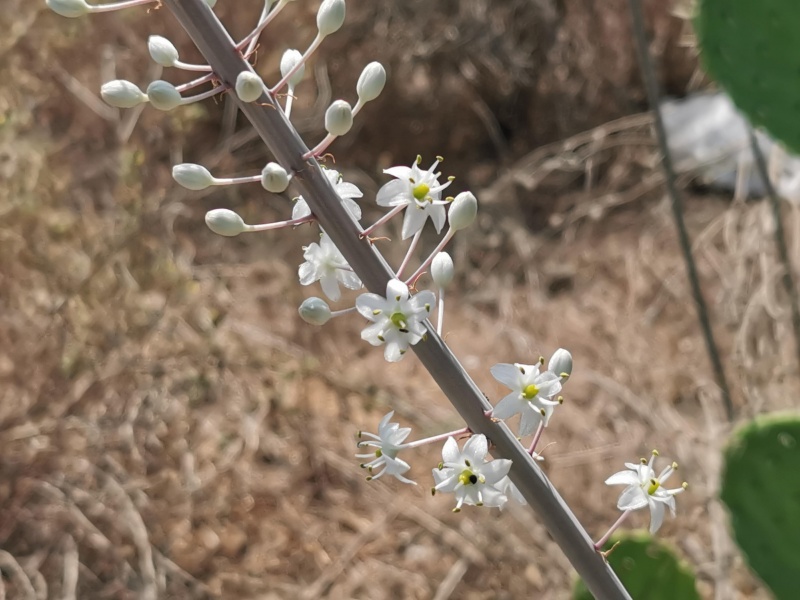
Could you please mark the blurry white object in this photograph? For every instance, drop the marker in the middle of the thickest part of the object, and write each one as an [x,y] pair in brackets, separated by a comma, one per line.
[708,136]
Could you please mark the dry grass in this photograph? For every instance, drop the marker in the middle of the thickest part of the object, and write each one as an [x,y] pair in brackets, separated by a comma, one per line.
[168,427]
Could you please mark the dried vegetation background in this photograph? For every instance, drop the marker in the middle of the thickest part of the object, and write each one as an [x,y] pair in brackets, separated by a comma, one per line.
[170,429]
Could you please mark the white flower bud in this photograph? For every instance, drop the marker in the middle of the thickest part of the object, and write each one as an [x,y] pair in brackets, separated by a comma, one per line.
[192,177]
[315,311]
[162,51]
[371,81]
[338,118]
[69,8]
[330,16]
[462,211]
[122,94]
[289,59]
[442,269]
[274,178]
[225,222]
[561,363]
[211,3]
[163,95]
[249,86]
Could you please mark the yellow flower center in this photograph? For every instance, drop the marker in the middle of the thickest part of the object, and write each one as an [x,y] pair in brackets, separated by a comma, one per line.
[467,477]
[654,485]
[530,391]
[420,191]
[399,320]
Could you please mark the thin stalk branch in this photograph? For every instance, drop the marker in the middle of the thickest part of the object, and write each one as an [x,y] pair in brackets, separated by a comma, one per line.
[676,203]
[780,236]
[216,45]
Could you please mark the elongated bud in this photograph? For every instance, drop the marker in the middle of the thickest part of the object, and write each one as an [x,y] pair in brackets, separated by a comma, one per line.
[122,94]
[315,311]
[162,51]
[462,211]
[561,363]
[330,16]
[371,81]
[192,177]
[163,95]
[274,178]
[339,118]
[289,59]
[225,222]
[249,86]
[69,8]
[442,269]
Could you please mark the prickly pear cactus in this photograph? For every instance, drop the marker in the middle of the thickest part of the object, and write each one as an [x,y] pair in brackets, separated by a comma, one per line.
[648,569]
[751,48]
[761,488]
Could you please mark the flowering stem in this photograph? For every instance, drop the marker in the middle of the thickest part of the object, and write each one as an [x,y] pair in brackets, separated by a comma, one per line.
[344,311]
[359,105]
[321,147]
[384,219]
[448,236]
[253,35]
[599,543]
[190,67]
[236,180]
[251,45]
[440,312]
[204,95]
[194,83]
[438,438]
[411,248]
[287,109]
[281,224]
[99,8]
[536,437]
[314,45]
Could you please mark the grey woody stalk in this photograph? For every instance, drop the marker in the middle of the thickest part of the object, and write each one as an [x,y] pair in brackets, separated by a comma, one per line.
[276,131]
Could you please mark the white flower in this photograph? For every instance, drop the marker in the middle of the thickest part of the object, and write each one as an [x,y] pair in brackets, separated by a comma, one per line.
[388,442]
[467,474]
[645,489]
[531,394]
[397,320]
[324,263]
[420,192]
[345,191]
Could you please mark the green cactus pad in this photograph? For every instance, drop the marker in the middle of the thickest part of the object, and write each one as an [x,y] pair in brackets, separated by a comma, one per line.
[648,569]
[761,488]
[751,48]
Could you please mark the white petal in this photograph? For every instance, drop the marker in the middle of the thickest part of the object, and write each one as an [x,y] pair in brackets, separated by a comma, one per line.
[393,352]
[371,332]
[450,452]
[623,478]
[400,172]
[508,406]
[352,207]
[495,470]
[438,216]
[632,498]
[396,290]
[530,420]
[413,221]
[348,279]
[507,374]
[421,300]
[476,448]
[393,193]
[307,273]
[348,190]
[656,516]
[300,209]
[367,304]
[330,286]
[493,497]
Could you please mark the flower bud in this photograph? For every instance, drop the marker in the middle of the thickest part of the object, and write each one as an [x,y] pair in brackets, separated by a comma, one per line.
[561,363]
[274,178]
[442,269]
[315,311]
[462,211]
[122,94]
[69,8]
[225,222]
[211,3]
[163,95]
[338,118]
[162,51]
[371,81]
[330,16]
[289,59]
[249,86]
[192,177]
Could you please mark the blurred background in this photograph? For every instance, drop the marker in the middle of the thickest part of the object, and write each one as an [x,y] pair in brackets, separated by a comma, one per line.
[170,428]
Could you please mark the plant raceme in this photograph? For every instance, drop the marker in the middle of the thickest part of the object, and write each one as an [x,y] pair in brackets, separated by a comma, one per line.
[398,319]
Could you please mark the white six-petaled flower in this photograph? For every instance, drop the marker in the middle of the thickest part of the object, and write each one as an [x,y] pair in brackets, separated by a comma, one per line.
[468,475]
[346,192]
[397,319]
[324,263]
[388,442]
[645,489]
[531,394]
[421,193]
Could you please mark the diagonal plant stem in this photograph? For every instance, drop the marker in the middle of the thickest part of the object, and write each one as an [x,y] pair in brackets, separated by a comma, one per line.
[214,43]
[780,236]
[676,203]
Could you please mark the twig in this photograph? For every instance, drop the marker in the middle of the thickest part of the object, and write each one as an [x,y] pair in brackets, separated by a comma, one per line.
[676,203]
